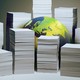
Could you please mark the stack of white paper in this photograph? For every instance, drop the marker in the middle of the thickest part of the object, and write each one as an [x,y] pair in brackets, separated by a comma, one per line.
[68,16]
[77,35]
[22,46]
[47,54]
[1,35]
[70,60]
[5,62]
[42,8]
[15,20]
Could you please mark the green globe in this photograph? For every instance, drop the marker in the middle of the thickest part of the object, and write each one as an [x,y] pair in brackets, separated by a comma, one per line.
[49,27]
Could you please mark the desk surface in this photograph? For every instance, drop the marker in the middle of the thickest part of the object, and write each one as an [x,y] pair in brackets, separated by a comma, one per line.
[38,76]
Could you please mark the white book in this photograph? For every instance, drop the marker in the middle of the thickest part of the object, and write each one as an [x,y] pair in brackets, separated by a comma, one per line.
[17,48]
[2,51]
[42,2]
[70,61]
[47,59]
[23,65]
[1,26]
[70,51]
[42,10]
[67,20]
[5,62]
[77,35]
[26,52]
[49,37]
[42,15]
[47,70]
[46,55]
[25,61]
[1,34]
[12,17]
[22,43]
[22,40]
[41,6]
[18,30]
[47,66]
[27,71]
[28,58]
[6,72]
[65,12]
[21,19]
[53,52]
[26,36]
[18,16]
[48,40]
[19,24]
[73,46]
[47,47]
[21,33]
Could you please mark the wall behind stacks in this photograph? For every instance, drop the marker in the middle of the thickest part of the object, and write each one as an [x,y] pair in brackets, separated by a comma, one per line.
[14,5]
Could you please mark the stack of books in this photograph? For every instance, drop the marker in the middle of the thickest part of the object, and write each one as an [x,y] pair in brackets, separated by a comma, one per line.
[77,35]
[42,8]
[22,46]
[1,34]
[5,62]
[70,60]
[47,54]
[68,16]
[15,20]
